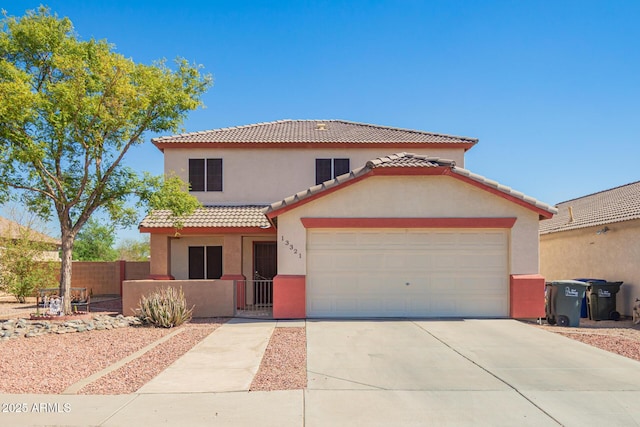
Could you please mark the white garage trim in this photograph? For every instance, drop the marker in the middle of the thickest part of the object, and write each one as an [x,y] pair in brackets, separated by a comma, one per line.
[404,272]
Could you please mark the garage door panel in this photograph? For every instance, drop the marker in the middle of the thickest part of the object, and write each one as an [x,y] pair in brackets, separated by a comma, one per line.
[365,273]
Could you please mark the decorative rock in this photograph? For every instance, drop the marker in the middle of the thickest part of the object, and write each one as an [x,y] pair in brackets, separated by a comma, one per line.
[17,328]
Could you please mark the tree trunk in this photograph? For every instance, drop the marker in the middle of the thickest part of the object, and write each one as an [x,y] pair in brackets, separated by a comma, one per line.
[65,271]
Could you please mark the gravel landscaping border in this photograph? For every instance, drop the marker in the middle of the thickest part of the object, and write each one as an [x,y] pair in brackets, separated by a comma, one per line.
[284,364]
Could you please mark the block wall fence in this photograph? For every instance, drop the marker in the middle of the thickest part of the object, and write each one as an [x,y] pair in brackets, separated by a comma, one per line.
[105,278]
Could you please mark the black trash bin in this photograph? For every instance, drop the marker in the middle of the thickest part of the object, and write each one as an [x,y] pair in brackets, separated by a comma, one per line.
[562,302]
[601,300]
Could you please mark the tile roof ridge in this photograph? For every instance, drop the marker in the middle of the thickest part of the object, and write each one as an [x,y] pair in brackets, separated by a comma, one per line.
[400,129]
[598,192]
[348,122]
[391,157]
[224,129]
[505,189]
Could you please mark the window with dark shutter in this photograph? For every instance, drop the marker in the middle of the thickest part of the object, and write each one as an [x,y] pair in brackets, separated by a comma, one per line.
[214,174]
[323,170]
[196,262]
[214,262]
[196,174]
[340,167]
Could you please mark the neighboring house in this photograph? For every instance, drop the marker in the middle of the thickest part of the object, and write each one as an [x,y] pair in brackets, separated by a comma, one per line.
[11,231]
[372,233]
[596,236]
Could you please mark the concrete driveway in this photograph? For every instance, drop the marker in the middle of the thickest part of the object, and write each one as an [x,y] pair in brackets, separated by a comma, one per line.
[466,372]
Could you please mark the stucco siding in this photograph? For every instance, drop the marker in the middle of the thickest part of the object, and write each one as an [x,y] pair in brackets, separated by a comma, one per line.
[613,256]
[264,176]
[406,197]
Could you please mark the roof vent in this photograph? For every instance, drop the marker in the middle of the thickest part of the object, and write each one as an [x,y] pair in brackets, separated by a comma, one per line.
[321,126]
[570,214]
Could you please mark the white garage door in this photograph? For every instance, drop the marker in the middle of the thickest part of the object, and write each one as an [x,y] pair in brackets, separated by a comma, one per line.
[407,273]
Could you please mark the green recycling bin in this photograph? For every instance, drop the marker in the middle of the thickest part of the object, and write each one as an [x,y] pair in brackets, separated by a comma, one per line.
[601,300]
[563,299]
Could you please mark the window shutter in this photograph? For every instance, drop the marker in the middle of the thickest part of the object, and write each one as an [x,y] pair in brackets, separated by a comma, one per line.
[196,262]
[196,174]
[323,170]
[214,262]
[214,174]
[340,167]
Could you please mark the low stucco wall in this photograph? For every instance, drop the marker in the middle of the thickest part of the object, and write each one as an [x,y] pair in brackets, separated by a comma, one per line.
[584,253]
[209,298]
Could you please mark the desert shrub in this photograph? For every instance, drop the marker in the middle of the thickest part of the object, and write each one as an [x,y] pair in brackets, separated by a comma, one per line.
[164,308]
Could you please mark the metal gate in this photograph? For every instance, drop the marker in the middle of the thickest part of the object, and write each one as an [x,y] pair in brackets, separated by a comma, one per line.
[254,298]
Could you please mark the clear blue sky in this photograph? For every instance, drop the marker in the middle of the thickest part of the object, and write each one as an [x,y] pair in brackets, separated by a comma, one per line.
[551,88]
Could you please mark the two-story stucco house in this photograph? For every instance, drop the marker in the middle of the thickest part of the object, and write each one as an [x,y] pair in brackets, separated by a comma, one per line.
[349,220]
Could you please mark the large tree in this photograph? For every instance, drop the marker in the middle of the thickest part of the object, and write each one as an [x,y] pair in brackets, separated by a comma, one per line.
[70,110]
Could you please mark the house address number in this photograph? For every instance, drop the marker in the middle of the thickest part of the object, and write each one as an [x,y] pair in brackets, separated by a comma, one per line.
[291,247]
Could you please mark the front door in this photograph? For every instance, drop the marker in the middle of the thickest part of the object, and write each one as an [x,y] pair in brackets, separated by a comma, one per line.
[265,267]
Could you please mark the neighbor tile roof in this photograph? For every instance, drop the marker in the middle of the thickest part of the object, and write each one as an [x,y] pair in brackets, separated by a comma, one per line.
[12,230]
[314,131]
[211,216]
[406,160]
[606,207]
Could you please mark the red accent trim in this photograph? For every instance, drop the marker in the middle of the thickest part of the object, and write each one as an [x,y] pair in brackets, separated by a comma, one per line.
[313,197]
[526,296]
[233,277]
[397,147]
[408,222]
[289,297]
[161,277]
[543,213]
[190,231]
[446,171]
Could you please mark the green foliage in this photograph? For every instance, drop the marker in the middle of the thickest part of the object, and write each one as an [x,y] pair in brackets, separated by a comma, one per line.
[22,269]
[95,242]
[172,194]
[164,308]
[134,250]
[70,111]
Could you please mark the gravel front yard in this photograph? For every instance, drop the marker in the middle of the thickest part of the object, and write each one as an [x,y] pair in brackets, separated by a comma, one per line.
[49,364]
[621,337]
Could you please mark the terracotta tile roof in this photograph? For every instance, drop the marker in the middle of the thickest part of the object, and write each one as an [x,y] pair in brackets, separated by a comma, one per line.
[314,131]
[406,160]
[211,216]
[606,207]
[12,230]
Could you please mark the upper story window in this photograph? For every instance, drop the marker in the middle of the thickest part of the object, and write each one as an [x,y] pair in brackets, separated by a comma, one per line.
[205,174]
[327,169]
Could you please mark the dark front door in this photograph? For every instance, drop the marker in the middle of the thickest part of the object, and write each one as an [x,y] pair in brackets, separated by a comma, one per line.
[265,267]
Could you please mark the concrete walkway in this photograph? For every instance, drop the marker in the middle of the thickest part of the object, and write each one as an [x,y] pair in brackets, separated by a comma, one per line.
[226,360]
[372,373]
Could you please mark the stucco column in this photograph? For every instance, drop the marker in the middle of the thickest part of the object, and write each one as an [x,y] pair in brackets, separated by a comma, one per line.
[232,257]
[160,260]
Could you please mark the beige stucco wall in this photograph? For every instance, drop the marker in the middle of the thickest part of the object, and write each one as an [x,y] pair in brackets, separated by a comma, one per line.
[583,253]
[242,254]
[209,298]
[411,197]
[264,176]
